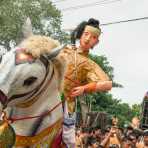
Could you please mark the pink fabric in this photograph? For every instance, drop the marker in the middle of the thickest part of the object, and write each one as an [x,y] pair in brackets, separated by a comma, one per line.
[57,141]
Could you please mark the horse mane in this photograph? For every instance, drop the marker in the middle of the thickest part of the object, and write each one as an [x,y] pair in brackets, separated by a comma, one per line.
[37,45]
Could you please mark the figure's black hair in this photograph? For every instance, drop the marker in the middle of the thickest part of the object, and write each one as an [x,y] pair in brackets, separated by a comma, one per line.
[93,22]
[77,32]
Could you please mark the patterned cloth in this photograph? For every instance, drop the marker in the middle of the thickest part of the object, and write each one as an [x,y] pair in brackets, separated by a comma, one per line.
[68,135]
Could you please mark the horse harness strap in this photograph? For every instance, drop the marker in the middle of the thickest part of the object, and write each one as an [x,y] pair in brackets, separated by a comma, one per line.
[13,119]
[25,141]
[21,58]
[28,58]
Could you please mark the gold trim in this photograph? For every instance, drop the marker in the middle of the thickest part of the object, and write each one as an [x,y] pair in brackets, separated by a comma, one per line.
[51,132]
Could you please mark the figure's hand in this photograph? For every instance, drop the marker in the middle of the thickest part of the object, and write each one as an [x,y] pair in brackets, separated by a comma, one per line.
[77,91]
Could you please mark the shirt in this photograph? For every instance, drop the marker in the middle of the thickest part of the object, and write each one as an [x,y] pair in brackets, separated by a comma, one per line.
[79,70]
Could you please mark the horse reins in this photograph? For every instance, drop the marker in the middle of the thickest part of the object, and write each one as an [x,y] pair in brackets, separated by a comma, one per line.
[13,119]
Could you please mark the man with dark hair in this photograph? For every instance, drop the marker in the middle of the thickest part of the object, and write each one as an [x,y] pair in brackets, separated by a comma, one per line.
[82,75]
[79,142]
[92,77]
[88,33]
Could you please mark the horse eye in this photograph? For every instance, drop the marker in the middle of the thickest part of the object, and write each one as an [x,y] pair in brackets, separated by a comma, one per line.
[29,81]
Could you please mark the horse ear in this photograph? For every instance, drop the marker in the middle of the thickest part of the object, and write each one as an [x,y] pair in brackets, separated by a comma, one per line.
[55,51]
[27,28]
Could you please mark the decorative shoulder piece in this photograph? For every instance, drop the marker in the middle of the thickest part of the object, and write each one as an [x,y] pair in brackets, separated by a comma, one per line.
[22,57]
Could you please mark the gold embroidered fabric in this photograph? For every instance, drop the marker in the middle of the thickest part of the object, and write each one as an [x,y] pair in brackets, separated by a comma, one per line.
[86,71]
[42,139]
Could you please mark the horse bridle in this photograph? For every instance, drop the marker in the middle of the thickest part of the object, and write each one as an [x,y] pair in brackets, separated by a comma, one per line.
[45,61]
[29,94]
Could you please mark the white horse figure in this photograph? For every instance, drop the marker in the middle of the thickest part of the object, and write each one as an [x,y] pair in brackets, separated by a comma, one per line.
[29,92]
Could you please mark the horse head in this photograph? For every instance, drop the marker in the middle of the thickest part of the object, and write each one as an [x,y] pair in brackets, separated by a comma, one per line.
[25,67]
[28,86]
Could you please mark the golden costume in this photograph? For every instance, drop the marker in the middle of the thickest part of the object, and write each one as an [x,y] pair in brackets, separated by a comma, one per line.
[79,70]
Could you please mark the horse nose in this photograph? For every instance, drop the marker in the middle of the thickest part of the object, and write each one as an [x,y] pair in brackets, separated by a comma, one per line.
[3,98]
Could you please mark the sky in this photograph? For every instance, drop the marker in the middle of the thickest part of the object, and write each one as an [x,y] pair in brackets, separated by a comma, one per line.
[124,44]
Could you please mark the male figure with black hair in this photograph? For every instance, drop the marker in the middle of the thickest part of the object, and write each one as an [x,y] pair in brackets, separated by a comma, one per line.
[88,34]
[82,75]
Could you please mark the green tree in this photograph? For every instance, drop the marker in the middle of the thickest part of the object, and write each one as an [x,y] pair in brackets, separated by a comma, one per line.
[45,17]
[136,110]
[96,98]
[105,102]
[104,64]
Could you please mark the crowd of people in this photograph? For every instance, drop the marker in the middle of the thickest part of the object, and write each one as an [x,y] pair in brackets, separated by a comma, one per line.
[111,137]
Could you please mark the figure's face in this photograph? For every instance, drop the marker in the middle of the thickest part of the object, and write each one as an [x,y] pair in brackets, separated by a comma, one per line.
[88,40]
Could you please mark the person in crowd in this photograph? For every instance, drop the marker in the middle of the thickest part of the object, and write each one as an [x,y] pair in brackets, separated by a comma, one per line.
[97,134]
[135,123]
[143,142]
[111,139]
[79,143]
[85,135]
[92,143]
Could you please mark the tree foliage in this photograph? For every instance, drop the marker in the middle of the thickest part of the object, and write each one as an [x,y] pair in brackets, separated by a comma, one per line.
[45,17]
[105,102]
[104,64]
